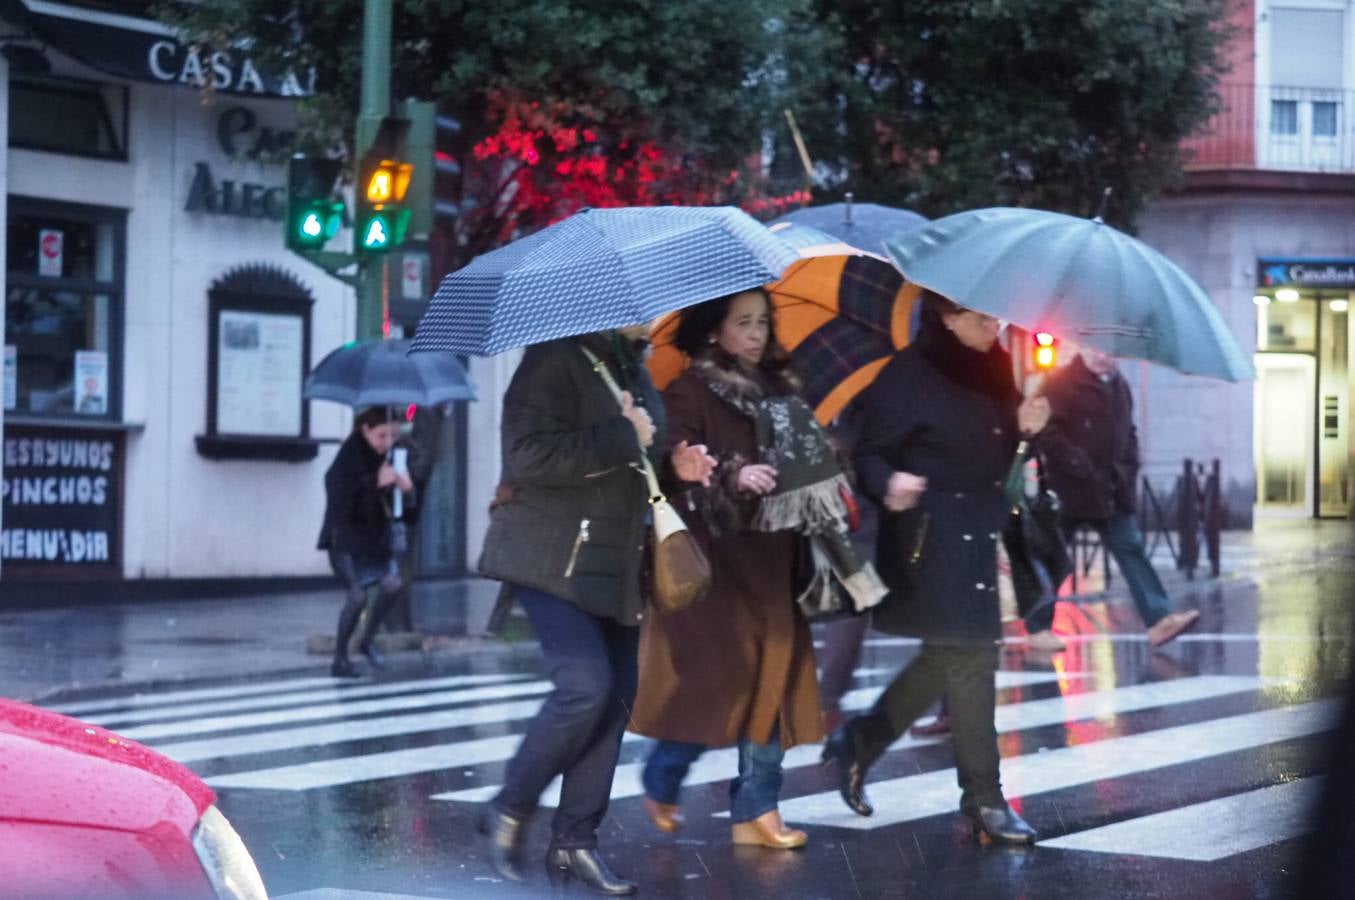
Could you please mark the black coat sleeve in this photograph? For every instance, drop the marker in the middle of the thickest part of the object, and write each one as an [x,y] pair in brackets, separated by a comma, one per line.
[887,420]
[544,443]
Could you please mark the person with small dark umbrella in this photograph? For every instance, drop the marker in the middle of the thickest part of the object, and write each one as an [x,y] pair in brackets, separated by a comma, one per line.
[940,431]
[357,530]
[1091,452]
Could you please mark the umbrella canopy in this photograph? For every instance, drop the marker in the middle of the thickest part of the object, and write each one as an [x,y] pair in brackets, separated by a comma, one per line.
[1074,278]
[599,269]
[863,225]
[382,373]
[841,316]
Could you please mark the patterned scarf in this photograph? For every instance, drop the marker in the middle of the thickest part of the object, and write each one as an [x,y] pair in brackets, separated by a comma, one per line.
[810,485]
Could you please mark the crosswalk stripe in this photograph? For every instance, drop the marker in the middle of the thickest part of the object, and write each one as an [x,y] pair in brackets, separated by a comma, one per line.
[136,701]
[717,765]
[936,793]
[1205,832]
[350,730]
[117,721]
[392,726]
[333,710]
[327,773]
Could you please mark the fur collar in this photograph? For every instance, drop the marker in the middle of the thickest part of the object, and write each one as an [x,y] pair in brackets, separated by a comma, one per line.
[739,386]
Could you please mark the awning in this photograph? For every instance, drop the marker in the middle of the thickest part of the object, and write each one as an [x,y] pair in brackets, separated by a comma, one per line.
[144,50]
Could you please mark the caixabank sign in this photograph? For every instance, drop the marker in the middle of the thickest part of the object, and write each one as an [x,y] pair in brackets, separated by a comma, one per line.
[1306,273]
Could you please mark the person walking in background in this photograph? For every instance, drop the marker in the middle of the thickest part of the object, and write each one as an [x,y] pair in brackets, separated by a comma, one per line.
[1092,452]
[940,431]
[737,668]
[357,530]
[567,535]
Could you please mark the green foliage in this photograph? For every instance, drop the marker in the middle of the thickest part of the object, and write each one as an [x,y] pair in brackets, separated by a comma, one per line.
[936,105]
[948,105]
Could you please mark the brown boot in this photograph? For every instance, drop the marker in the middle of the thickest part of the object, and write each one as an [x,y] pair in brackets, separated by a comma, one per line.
[1170,625]
[767,830]
[667,817]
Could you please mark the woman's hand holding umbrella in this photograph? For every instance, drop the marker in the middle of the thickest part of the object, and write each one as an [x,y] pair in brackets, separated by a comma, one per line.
[1033,415]
[387,476]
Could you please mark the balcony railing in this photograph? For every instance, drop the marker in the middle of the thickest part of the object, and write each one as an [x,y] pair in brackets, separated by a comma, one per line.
[1272,127]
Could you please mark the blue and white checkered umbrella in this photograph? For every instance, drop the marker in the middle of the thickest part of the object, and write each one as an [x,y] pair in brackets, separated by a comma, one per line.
[384,373]
[599,269]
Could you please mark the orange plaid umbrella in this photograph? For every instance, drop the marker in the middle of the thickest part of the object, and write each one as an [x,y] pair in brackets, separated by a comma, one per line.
[841,312]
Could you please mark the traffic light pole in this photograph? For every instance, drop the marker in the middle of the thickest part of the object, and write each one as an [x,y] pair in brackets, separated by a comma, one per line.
[375,105]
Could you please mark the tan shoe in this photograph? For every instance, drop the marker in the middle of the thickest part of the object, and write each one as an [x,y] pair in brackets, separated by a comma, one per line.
[767,830]
[1045,640]
[667,817]
[1170,625]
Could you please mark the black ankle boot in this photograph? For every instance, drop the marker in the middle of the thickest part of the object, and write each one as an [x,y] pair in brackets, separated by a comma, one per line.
[851,774]
[588,868]
[342,667]
[999,825]
[506,834]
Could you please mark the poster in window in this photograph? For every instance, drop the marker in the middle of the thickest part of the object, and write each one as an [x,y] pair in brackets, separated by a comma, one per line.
[259,361]
[51,252]
[91,382]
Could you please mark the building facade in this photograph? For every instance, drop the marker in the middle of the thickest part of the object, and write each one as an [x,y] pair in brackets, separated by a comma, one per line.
[1265,221]
[156,330]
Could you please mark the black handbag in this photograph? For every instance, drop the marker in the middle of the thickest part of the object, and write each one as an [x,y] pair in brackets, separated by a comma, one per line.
[821,595]
[1039,521]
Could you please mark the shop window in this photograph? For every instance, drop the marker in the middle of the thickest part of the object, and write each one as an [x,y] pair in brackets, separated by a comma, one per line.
[1287,327]
[61,115]
[63,311]
[258,353]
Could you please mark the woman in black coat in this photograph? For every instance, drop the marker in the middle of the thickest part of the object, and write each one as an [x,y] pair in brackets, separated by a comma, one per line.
[939,432]
[567,536]
[357,529]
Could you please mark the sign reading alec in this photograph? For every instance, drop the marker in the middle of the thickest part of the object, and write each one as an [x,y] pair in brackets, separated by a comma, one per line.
[62,507]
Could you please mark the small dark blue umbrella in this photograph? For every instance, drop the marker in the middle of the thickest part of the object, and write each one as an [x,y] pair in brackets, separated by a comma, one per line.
[385,373]
[599,269]
[865,226]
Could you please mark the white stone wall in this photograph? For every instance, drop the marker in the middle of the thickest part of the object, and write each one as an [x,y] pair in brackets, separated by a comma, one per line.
[1217,240]
[187,516]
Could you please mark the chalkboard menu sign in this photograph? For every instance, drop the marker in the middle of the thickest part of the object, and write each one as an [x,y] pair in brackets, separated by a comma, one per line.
[62,492]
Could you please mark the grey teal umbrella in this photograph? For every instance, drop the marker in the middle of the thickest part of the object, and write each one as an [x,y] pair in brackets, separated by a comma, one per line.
[1075,278]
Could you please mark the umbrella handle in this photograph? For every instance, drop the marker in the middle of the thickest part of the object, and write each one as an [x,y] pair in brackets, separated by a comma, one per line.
[1034,385]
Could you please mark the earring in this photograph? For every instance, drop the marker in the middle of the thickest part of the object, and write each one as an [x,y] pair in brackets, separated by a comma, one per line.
[710,340]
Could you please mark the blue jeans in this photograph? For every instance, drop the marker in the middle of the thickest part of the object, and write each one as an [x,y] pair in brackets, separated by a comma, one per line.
[1121,538]
[577,732]
[753,792]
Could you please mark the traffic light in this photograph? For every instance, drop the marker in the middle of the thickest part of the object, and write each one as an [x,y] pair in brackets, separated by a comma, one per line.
[314,214]
[1046,351]
[383,181]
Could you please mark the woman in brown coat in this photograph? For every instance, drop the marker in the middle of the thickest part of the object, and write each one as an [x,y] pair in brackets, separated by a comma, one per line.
[736,668]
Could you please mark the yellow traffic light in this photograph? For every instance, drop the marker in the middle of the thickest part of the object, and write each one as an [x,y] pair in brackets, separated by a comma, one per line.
[1045,352]
[388,181]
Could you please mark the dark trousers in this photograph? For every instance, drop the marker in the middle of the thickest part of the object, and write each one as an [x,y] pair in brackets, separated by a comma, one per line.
[577,733]
[965,674]
[754,791]
[842,642]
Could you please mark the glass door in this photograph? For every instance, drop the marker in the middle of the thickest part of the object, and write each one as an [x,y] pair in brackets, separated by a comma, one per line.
[1333,408]
[1283,432]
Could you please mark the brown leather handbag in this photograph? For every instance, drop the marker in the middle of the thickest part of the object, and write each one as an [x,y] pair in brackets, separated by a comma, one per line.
[681,572]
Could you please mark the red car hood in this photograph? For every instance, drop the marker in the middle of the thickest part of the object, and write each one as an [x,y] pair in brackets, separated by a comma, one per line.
[59,770]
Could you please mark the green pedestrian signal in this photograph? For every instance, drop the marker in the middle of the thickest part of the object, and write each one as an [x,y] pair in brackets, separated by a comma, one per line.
[314,215]
[376,234]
